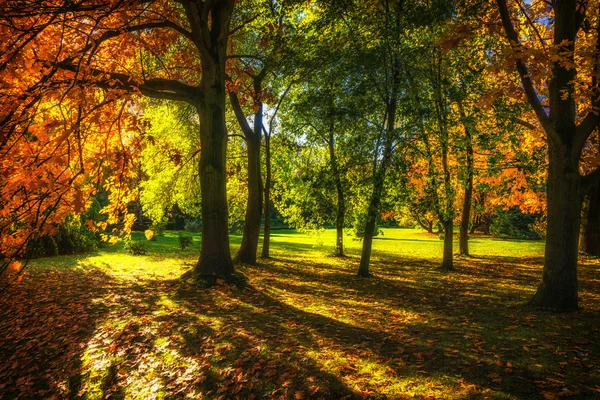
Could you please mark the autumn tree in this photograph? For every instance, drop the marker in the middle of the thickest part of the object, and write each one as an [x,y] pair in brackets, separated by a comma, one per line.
[106,44]
[558,67]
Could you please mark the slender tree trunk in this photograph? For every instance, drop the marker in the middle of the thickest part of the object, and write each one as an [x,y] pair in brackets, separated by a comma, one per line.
[341,209]
[249,247]
[372,214]
[468,194]
[591,232]
[378,182]
[267,204]
[447,260]
[558,288]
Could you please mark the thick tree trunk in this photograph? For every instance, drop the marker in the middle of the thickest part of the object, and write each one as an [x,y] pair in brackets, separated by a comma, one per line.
[341,208]
[558,288]
[215,256]
[468,195]
[249,247]
[591,232]
[267,212]
[447,260]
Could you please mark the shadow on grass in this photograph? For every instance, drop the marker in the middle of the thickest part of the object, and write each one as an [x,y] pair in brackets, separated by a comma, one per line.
[301,329]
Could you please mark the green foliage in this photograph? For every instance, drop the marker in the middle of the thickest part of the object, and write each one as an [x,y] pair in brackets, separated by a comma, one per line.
[514,224]
[72,237]
[170,161]
[357,229]
[185,240]
[135,248]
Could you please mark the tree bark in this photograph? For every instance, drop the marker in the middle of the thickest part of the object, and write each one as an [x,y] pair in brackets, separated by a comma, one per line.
[215,255]
[251,234]
[468,194]
[378,182]
[558,288]
[566,139]
[591,232]
[249,247]
[341,209]
[372,214]
[447,260]
[267,204]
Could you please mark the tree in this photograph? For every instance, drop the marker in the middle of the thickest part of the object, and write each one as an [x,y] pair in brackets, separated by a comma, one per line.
[552,77]
[111,35]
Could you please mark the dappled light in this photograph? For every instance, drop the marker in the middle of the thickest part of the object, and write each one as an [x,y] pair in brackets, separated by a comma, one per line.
[301,328]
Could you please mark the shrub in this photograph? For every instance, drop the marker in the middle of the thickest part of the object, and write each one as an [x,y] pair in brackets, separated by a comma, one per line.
[513,224]
[192,225]
[135,248]
[72,237]
[358,227]
[150,234]
[185,240]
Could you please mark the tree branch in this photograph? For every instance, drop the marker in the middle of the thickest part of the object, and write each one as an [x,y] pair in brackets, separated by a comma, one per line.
[157,88]
[240,116]
[523,70]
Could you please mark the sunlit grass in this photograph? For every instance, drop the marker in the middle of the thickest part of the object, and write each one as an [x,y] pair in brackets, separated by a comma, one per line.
[306,326]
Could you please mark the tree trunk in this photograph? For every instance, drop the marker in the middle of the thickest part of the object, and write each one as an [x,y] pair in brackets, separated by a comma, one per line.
[447,260]
[267,212]
[468,195]
[249,247]
[215,256]
[558,288]
[378,181]
[341,209]
[591,231]
[372,214]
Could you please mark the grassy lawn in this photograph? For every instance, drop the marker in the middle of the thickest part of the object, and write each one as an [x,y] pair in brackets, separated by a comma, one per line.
[111,325]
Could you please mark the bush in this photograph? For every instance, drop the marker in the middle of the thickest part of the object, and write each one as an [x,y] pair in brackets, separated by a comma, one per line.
[513,224]
[135,248]
[43,246]
[358,227]
[150,234]
[72,237]
[185,240]
[192,225]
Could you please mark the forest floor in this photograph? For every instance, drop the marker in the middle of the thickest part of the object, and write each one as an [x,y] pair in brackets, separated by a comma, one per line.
[111,325]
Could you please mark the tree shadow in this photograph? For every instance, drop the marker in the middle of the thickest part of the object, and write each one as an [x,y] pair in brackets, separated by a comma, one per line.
[300,329]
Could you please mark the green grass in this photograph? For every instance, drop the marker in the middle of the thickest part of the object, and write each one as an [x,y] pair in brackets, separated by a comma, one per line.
[111,325]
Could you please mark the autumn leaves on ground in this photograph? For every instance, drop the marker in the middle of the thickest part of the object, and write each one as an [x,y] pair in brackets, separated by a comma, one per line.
[111,325]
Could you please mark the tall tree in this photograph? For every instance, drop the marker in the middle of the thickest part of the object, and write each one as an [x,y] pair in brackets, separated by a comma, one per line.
[98,51]
[566,111]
